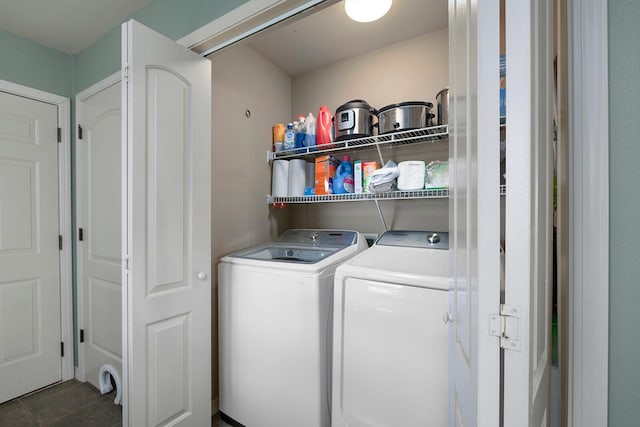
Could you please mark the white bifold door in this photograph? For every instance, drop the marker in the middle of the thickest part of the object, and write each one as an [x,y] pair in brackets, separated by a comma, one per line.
[99,214]
[482,325]
[166,231]
[30,353]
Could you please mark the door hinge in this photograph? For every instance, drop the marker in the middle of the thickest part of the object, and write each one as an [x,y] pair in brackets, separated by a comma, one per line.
[506,326]
[59,134]
[125,73]
[80,234]
[62,349]
[127,264]
[81,335]
[60,242]
[79,132]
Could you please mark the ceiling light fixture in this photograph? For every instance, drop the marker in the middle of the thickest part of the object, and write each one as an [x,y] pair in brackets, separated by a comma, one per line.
[366,10]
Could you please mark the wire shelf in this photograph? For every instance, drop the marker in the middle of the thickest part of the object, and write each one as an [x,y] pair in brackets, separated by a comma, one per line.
[390,195]
[414,136]
[350,197]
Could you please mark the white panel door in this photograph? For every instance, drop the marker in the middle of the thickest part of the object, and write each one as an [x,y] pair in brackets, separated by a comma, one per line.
[29,253]
[474,212]
[529,208]
[166,231]
[98,186]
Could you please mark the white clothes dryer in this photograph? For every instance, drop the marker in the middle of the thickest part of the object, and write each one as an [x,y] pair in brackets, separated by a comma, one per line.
[274,313]
[389,337]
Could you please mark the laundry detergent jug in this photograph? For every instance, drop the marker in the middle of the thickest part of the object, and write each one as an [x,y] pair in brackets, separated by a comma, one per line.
[343,179]
[323,126]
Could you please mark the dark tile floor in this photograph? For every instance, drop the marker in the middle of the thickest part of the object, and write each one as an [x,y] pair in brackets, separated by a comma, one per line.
[68,404]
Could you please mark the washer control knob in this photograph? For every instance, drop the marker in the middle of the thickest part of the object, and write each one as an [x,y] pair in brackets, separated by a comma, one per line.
[433,238]
[202,275]
[314,236]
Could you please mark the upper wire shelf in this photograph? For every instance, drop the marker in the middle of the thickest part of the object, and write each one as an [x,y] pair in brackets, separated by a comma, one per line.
[413,136]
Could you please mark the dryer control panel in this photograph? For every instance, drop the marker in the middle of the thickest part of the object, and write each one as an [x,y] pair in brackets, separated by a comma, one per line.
[415,239]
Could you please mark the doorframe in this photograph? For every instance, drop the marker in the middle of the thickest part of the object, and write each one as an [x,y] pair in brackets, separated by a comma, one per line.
[81,97]
[64,207]
[589,264]
[588,212]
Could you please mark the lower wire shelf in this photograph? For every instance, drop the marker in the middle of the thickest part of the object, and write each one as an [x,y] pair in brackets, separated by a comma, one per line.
[351,197]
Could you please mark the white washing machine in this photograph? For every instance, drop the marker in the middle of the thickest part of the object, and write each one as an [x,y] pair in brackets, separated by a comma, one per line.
[274,312]
[389,337]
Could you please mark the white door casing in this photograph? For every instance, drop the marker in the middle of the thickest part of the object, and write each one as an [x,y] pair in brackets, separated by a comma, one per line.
[166,231]
[528,213]
[30,317]
[99,264]
[474,212]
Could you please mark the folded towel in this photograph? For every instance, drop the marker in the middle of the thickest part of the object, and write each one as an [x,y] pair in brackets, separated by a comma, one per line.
[383,179]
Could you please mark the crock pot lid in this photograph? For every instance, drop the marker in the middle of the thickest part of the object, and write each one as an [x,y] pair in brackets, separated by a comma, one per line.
[355,103]
[407,104]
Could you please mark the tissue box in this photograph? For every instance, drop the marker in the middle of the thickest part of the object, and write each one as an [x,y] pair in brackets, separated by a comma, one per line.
[411,175]
[325,169]
[437,176]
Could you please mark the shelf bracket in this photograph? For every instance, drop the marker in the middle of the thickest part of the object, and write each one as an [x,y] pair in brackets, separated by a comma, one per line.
[270,156]
[379,155]
[384,225]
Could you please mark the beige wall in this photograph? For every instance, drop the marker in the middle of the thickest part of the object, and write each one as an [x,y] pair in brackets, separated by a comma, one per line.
[242,80]
[412,70]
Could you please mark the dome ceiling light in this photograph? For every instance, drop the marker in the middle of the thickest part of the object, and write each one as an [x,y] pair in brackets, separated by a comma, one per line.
[366,10]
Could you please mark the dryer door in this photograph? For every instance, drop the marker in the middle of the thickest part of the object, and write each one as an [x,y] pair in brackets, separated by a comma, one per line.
[390,355]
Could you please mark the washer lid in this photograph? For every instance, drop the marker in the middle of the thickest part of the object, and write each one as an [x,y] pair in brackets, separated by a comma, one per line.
[302,246]
[289,253]
[415,239]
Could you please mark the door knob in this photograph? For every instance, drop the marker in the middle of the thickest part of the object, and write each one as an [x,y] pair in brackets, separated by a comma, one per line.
[202,275]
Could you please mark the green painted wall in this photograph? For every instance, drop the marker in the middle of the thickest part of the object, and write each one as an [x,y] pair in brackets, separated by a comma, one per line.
[624,211]
[173,18]
[30,64]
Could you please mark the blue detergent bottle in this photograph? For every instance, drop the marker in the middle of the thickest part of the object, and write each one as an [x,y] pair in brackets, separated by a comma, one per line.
[343,178]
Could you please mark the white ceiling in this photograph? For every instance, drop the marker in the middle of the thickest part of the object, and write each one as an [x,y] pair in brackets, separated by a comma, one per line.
[65,25]
[329,36]
[320,38]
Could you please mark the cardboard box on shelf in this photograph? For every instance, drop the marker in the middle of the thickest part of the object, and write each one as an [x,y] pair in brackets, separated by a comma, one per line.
[325,170]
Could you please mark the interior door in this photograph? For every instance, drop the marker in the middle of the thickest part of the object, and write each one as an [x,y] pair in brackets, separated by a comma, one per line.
[29,253]
[98,187]
[529,207]
[474,212]
[166,231]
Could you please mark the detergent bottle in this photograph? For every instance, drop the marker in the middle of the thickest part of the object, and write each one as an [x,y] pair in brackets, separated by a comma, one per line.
[289,138]
[310,131]
[343,179]
[300,132]
[324,125]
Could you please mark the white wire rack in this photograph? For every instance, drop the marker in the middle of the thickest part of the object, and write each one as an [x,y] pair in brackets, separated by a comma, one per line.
[350,197]
[414,136]
[390,195]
